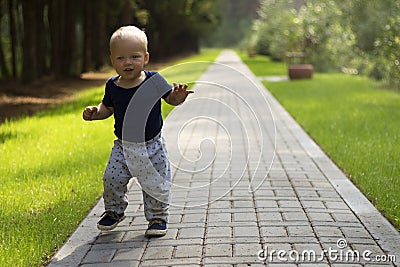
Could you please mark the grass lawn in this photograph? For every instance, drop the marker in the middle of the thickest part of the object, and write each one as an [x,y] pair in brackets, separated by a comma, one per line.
[355,121]
[51,167]
[263,66]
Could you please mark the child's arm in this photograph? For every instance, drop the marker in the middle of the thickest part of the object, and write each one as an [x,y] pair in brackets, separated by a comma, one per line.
[178,94]
[100,112]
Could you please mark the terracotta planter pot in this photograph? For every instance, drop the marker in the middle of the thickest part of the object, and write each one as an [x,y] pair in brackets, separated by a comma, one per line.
[303,71]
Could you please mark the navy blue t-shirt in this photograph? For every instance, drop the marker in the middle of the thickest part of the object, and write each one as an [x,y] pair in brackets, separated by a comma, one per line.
[119,98]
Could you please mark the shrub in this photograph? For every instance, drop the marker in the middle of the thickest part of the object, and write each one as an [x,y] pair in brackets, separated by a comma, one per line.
[387,50]
[353,36]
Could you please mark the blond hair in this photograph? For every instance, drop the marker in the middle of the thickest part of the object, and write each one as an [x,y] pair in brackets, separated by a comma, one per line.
[128,32]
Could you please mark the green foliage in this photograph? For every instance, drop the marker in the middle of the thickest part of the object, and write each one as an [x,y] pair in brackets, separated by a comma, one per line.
[387,50]
[353,36]
[203,16]
[367,19]
[327,42]
[315,29]
[176,26]
[235,19]
[274,32]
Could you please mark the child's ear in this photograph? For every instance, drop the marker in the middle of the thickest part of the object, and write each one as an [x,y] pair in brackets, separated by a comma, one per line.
[111,60]
[146,58]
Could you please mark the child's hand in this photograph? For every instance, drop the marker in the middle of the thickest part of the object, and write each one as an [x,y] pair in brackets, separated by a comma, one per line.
[178,94]
[89,112]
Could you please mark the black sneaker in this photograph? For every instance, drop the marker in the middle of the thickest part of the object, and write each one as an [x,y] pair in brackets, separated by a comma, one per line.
[157,228]
[109,220]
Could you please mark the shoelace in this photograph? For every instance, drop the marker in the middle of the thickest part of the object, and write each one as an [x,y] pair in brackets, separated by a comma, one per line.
[155,221]
[110,213]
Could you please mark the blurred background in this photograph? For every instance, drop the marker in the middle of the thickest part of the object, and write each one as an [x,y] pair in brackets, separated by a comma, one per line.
[64,38]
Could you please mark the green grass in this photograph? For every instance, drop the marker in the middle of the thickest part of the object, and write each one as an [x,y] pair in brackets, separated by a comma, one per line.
[262,65]
[51,167]
[187,71]
[357,123]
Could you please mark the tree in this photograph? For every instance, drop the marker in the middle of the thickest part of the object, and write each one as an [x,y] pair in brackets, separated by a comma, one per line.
[13,37]
[329,42]
[316,28]
[360,35]
[32,12]
[368,19]
[235,22]
[62,38]
[3,66]
[387,49]
[275,35]
[175,26]
[88,38]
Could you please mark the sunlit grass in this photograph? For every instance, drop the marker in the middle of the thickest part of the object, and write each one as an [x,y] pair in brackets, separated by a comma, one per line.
[187,71]
[262,65]
[50,168]
[356,123]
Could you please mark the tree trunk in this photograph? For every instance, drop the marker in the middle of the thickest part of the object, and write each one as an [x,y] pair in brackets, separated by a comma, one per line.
[69,39]
[99,28]
[127,15]
[3,66]
[87,37]
[94,34]
[62,22]
[34,57]
[13,37]
[54,27]
[41,51]
[29,68]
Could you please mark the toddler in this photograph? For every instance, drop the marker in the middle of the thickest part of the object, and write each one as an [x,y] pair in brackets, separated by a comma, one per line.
[147,161]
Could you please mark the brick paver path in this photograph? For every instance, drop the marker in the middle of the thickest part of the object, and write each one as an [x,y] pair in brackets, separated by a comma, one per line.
[224,213]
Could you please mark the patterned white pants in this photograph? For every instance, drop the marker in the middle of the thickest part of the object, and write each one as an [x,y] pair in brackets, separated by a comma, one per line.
[147,162]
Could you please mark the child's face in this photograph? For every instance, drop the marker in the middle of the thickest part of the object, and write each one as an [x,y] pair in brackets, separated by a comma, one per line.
[128,58]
